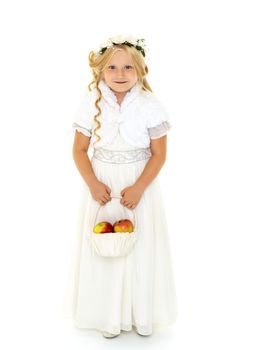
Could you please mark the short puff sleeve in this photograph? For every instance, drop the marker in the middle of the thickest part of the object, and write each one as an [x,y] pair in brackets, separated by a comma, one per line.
[82,119]
[159,121]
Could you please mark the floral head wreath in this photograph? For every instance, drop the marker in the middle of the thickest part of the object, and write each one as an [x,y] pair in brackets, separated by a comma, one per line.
[139,44]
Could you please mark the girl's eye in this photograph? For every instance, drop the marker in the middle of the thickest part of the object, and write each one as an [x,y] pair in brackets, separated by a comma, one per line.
[111,67]
[128,67]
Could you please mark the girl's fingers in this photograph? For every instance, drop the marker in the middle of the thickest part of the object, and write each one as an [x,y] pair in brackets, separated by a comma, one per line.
[131,206]
[106,197]
[103,200]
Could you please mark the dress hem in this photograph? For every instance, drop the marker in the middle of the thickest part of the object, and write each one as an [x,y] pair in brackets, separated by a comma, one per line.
[127,328]
[156,326]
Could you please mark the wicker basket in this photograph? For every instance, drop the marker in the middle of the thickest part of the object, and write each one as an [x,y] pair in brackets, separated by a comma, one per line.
[113,244]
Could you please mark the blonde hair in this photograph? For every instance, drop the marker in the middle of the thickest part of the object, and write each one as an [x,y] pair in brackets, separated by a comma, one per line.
[98,64]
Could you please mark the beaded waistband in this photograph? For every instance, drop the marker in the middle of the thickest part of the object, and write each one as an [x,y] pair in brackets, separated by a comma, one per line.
[119,157]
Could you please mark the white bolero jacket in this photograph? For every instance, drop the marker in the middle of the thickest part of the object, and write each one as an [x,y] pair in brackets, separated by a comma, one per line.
[139,118]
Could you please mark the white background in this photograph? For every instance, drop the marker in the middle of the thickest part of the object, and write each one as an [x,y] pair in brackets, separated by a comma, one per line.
[215,65]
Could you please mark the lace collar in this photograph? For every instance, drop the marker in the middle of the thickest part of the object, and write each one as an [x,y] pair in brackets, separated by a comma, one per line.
[111,98]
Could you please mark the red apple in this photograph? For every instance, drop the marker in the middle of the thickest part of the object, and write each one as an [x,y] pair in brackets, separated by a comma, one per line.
[103,227]
[123,225]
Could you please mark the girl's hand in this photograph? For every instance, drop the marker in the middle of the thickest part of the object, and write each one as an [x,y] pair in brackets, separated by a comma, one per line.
[100,192]
[131,196]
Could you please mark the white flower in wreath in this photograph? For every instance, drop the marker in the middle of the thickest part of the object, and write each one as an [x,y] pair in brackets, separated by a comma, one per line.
[131,39]
[106,43]
[141,42]
[118,39]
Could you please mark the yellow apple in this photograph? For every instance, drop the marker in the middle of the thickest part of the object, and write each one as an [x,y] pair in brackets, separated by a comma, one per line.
[103,227]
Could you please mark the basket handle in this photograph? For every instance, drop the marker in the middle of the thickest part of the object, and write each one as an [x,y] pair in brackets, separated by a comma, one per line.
[116,196]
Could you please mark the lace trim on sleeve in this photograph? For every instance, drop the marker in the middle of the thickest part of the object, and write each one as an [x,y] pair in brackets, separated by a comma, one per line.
[159,130]
[82,129]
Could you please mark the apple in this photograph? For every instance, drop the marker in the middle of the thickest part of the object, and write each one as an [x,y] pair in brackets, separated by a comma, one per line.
[123,225]
[103,227]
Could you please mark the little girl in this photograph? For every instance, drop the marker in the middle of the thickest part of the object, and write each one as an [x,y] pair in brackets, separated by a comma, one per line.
[125,125]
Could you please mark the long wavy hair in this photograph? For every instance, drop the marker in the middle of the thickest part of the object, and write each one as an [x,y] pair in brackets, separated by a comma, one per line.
[98,64]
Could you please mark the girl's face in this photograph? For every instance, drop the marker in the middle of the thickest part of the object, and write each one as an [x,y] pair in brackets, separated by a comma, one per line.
[119,73]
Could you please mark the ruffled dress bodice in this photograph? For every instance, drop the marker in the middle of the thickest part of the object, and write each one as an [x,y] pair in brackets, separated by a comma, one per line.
[119,144]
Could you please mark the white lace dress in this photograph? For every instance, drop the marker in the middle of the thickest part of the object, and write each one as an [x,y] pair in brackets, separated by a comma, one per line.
[113,294]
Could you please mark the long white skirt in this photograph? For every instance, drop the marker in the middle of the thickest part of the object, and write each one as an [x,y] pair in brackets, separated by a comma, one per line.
[113,294]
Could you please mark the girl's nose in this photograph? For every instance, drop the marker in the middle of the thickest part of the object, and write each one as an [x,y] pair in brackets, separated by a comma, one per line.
[120,71]
[120,76]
